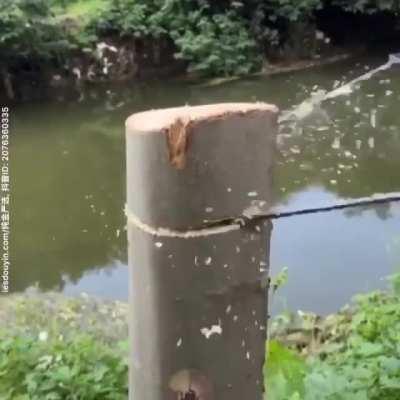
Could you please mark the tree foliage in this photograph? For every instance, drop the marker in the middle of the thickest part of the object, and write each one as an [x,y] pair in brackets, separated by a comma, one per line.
[29,31]
[227,37]
[212,43]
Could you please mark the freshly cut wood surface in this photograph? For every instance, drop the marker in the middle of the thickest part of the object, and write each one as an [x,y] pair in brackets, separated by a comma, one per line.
[187,166]
[157,120]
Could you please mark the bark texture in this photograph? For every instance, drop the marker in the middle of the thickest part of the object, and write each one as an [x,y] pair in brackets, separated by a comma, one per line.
[199,304]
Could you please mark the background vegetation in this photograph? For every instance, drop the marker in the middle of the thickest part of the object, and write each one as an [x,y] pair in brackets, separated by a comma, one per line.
[229,37]
[352,355]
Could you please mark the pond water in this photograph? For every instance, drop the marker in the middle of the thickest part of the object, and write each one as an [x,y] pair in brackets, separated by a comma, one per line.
[68,176]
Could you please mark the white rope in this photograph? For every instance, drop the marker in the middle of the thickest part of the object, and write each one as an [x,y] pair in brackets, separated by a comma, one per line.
[167,232]
[277,213]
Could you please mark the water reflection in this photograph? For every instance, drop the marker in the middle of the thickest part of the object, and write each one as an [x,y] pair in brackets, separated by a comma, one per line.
[68,197]
[332,256]
[68,177]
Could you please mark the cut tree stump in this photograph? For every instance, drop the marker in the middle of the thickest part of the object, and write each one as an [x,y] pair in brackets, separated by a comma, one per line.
[198,275]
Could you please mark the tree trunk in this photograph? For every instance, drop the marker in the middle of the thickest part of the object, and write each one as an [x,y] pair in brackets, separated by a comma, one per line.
[198,279]
[8,86]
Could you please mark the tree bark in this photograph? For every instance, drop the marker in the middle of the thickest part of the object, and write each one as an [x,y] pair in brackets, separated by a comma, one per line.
[199,299]
[8,86]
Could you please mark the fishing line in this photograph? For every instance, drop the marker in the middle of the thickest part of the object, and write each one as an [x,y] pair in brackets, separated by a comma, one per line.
[376,199]
[305,108]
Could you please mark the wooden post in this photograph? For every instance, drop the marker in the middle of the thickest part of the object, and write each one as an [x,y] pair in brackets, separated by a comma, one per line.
[198,278]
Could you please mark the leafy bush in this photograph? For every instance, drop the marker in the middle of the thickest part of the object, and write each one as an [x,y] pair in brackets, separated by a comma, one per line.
[358,359]
[57,369]
[365,366]
[228,37]
[29,31]
[212,43]
[217,45]
[369,6]
[293,10]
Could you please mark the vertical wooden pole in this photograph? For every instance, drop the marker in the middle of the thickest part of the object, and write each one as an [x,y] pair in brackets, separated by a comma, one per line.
[198,279]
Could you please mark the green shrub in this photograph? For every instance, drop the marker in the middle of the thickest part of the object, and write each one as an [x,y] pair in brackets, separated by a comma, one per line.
[227,37]
[293,10]
[358,359]
[57,369]
[211,43]
[217,45]
[364,366]
[369,6]
[29,31]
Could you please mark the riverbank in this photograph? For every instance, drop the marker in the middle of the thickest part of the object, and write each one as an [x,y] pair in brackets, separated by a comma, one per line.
[76,348]
[81,42]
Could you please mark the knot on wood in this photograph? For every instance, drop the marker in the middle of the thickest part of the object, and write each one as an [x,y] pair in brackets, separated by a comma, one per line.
[190,395]
[191,385]
[177,141]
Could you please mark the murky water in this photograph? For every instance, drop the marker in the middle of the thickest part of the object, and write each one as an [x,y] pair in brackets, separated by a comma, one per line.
[68,174]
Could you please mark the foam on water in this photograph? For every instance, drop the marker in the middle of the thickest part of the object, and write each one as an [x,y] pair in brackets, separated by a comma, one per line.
[308,106]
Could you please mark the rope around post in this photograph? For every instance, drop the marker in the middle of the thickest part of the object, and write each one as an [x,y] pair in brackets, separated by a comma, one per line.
[232,224]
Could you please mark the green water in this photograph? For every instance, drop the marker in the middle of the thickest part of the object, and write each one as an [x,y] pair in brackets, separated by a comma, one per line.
[68,176]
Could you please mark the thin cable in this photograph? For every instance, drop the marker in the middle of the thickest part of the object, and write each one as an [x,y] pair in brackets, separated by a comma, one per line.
[362,201]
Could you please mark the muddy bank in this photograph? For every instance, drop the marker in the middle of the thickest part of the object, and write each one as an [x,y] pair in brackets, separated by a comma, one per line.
[81,84]
[34,312]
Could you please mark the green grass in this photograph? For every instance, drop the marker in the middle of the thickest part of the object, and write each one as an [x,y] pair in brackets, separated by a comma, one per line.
[352,355]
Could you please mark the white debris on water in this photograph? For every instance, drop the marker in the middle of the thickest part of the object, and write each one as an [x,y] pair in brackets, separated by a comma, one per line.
[295,150]
[336,144]
[158,244]
[373,118]
[348,154]
[214,330]
[371,142]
